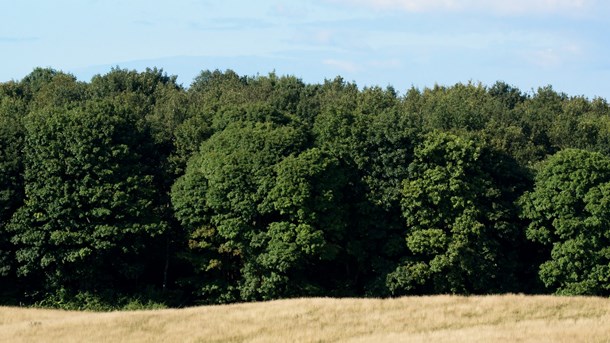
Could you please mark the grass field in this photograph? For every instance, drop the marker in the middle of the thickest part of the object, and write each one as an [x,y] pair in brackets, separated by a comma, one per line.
[506,318]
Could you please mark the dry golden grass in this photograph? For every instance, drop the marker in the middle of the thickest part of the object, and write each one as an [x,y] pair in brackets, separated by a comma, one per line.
[507,318]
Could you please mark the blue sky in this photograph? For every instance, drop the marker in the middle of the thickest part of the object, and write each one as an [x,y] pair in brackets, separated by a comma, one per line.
[403,43]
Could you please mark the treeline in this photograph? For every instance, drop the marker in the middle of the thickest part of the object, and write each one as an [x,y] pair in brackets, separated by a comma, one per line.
[131,190]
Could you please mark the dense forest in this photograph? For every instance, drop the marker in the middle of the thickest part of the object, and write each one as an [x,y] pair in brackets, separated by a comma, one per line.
[133,190]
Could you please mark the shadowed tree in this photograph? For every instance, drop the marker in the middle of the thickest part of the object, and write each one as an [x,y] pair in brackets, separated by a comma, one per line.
[12,109]
[218,199]
[569,212]
[89,200]
[460,220]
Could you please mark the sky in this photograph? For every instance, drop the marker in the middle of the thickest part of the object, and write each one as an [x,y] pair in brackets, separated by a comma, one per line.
[399,43]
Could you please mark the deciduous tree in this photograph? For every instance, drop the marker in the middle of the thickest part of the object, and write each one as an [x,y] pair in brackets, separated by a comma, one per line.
[569,212]
[89,199]
[460,229]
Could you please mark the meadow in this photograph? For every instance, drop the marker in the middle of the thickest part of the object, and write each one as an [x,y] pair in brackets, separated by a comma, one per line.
[508,318]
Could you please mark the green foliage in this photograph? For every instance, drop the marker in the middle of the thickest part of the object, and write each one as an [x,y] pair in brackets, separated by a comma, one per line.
[119,81]
[61,91]
[11,167]
[582,124]
[459,220]
[537,118]
[188,137]
[569,212]
[101,302]
[461,107]
[508,95]
[306,228]
[369,132]
[36,80]
[373,137]
[89,199]
[130,191]
[218,200]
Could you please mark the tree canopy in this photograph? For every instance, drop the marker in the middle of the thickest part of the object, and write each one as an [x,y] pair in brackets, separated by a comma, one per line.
[569,213]
[460,219]
[134,189]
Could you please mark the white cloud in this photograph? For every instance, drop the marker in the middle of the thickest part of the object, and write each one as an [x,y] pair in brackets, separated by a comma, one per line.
[323,37]
[545,58]
[386,64]
[495,6]
[330,39]
[346,66]
[554,57]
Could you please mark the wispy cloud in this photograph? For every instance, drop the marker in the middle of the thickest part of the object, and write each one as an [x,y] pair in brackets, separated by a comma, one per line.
[554,57]
[495,6]
[343,65]
[330,39]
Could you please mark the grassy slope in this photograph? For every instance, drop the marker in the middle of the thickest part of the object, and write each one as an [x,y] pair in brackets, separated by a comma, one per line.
[511,318]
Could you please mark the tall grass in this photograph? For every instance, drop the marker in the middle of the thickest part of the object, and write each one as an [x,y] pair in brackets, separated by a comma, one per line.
[508,318]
